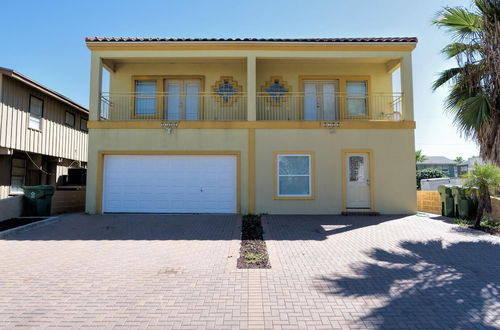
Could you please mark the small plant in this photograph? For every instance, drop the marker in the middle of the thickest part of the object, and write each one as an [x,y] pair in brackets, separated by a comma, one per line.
[252,258]
[485,223]
[485,178]
[253,250]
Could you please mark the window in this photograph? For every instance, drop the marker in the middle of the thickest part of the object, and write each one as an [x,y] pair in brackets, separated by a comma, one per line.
[356,98]
[18,173]
[145,97]
[321,99]
[294,175]
[83,124]
[36,111]
[69,119]
[183,100]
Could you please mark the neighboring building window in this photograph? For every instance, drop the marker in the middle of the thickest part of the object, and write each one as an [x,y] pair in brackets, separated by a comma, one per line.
[294,175]
[83,124]
[36,111]
[69,119]
[18,173]
[357,98]
[145,97]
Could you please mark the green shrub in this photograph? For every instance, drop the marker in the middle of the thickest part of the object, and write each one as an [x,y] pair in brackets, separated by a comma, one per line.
[429,173]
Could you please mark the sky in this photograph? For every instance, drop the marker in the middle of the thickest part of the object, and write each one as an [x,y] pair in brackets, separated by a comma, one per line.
[44,40]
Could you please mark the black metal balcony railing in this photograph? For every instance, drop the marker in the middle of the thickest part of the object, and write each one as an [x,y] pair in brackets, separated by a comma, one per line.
[269,106]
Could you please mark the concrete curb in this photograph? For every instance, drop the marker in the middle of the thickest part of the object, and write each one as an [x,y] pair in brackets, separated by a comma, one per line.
[29,226]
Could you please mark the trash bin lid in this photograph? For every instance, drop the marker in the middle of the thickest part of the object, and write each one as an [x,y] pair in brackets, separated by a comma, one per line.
[36,192]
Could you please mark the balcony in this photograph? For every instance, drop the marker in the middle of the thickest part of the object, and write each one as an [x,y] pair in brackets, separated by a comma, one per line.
[234,107]
[173,107]
[329,106]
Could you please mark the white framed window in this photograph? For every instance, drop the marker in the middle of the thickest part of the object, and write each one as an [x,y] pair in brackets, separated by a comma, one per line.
[36,112]
[83,124]
[69,119]
[145,97]
[17,176]
[294,175]
[357,98]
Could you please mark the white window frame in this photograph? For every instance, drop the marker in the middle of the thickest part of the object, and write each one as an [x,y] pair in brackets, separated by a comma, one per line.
[11,192]
[139,110]
[278,194]
[66,119]
[34,116]
[357,97]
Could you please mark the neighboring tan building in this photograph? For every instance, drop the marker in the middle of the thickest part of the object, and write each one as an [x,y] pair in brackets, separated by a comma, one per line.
[42,134]
[297,126]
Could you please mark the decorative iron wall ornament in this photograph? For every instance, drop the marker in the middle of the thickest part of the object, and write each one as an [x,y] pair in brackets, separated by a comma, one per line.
[226,89]
[276,90]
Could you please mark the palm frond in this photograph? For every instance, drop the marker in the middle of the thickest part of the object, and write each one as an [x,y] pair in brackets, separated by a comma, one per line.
[470,112]
[445,76]
[462,23]
[460,48]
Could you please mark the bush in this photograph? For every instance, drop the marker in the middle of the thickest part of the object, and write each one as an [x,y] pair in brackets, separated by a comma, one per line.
[429,173]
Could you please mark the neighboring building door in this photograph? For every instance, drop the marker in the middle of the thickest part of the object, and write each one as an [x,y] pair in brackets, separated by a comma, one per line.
[321,100]
[169,184]
[358,181]
[182,99]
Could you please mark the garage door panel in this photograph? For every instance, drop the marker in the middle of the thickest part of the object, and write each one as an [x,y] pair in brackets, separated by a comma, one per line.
[176,184]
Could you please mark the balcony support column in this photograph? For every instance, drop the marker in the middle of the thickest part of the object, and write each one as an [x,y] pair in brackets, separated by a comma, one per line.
[95,87]
[251,88]
[407,87]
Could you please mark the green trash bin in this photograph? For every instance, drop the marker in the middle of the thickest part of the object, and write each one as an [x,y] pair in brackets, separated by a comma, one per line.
[447,204]
[38,199]
[456,194]
[464,206]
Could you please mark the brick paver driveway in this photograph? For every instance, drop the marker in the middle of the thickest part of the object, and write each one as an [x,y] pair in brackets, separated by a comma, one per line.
[179,271]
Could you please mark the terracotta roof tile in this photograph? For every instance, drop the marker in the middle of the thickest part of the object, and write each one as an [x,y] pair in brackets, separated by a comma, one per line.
[319,40]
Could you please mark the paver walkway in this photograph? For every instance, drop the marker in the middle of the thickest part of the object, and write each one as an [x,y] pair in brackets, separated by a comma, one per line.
[179,271]
[380,272]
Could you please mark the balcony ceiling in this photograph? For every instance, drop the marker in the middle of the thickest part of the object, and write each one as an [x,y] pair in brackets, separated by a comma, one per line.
[138,60]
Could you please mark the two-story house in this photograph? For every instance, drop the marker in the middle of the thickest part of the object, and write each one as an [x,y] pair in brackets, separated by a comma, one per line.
[304,126]
[42,134]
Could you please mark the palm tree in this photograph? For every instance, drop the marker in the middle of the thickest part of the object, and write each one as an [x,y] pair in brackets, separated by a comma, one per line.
[483,178]
[474,98]
[420,157]
[459,160]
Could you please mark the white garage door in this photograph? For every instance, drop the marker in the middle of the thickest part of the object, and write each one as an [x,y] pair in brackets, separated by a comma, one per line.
[169,184]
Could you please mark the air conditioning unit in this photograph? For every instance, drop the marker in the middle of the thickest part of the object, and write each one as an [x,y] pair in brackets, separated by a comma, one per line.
[77,176]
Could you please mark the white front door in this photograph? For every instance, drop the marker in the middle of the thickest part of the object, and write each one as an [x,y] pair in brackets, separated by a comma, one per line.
[182,99]
[321,99]
[169,184]
[358,181]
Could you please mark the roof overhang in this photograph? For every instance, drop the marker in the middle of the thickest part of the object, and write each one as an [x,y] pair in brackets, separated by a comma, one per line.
[33,84]
[331,44]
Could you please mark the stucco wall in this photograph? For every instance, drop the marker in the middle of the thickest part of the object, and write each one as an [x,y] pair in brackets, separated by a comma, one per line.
[158,140]
[121,79]
[290,70]
[393,162]
[12,207]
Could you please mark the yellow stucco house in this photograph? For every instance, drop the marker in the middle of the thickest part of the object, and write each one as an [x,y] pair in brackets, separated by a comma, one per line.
[279,126]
